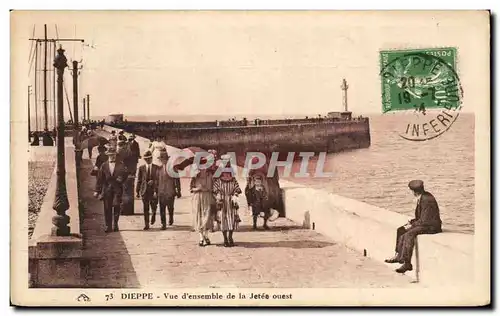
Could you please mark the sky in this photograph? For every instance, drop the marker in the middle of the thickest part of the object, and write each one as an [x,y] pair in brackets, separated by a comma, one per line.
[244,63]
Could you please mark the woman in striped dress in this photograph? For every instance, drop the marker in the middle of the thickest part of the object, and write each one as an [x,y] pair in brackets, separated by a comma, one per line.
[226,191]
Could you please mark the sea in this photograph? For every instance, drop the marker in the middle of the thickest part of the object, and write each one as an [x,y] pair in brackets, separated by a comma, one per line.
[379,175]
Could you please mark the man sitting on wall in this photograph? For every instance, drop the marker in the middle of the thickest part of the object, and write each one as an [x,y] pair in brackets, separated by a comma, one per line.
[426,221]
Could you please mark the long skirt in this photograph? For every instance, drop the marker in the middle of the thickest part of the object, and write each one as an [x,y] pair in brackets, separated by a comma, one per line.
[228,215]
[201,211]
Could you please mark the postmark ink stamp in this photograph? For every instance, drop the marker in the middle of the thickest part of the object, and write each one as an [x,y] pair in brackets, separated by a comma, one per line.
[424,85]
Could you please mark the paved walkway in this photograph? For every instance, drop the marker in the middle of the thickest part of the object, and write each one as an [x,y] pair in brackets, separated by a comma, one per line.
[285,256]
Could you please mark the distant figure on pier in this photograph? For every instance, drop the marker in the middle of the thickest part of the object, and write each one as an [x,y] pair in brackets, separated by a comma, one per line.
[121,136]
[426,221]
[122,151]
[113,140]
[47,139]
[201,187]
[157,147]
[109,189]
[36,139]
[134,152]
[226,191]
[147,187]
[90,147]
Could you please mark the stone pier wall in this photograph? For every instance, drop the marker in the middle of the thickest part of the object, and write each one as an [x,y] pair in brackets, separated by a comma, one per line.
[329,136]
[54,261]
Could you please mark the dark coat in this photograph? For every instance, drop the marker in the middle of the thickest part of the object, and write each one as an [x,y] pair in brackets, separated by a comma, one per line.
[143,189]
[101,158]
[427,212]
[168,186]
[110,186]
[274,195]
[134,151]
[122,154]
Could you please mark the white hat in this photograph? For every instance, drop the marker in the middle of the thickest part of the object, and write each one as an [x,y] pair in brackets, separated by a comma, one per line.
[225,157]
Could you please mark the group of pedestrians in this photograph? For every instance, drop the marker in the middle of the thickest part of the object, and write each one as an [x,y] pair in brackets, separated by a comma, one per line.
[115,164]
[214,196]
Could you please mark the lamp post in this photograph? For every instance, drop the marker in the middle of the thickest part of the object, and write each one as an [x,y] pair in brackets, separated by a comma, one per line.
[29,114]
[76,129]
[61,204]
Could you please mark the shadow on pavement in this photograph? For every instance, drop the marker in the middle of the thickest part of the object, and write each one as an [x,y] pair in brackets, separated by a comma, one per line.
[297,244]
[107,263]
[157,228]
[248,228]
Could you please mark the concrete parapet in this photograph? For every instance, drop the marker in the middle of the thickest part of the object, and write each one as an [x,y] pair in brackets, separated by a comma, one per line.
[55,260]
[439,260]
[446,259]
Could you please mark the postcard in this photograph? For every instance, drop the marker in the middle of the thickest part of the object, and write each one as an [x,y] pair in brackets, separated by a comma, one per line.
[250,158]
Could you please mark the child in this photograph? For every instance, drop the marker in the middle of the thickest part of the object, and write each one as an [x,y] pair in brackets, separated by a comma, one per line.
[257,198]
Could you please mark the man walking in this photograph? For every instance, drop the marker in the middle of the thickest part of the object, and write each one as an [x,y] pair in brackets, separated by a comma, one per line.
[134,153]
[147,187]
[168,188]
[109,189]
[426,221]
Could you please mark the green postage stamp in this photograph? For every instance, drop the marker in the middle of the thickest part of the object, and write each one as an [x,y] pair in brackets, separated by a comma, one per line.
[422,82]
[419,79]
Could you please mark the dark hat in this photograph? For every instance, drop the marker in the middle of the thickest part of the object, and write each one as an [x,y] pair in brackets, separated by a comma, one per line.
[113,132]
[131,136]
[416,185]
[120,132]
[147,154]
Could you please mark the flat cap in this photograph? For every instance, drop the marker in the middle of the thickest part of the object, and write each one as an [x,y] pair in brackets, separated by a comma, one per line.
[416,185]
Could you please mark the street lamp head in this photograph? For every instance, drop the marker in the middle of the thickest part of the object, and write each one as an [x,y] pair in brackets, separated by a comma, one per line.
[60,62]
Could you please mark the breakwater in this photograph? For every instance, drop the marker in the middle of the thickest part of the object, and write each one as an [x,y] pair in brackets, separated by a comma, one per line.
[306,135]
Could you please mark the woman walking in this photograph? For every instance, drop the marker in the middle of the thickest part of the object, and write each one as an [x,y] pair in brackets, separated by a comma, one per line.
[201,187]
[226,190]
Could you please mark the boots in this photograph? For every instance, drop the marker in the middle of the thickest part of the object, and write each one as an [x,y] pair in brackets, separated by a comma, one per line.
[116,215]
[226,241]
[231,241]
[265,224]
[153,217]
[254,222]
[202,240]
[405,267]
[170,218]
[205,238]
